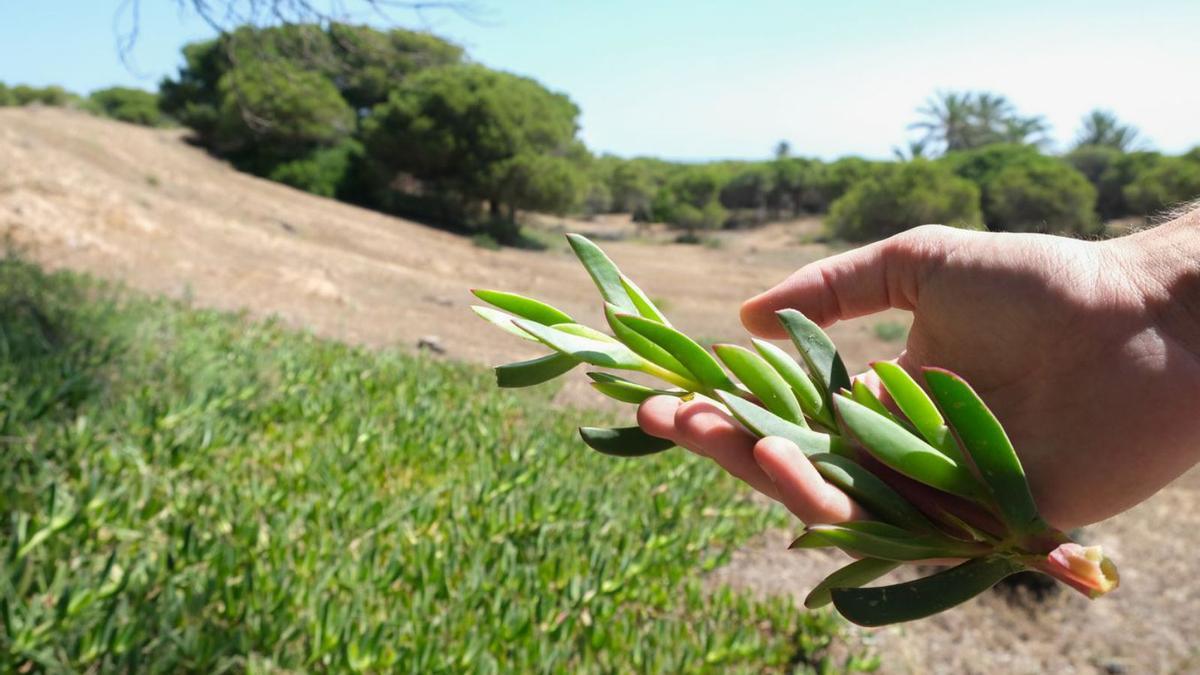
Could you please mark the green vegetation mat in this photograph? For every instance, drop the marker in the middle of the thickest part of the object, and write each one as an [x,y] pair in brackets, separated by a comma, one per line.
[184,490]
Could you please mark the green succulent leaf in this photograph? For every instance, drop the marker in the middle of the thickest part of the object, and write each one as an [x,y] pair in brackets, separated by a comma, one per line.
[861,393]
[526,308]
[534,371]
[694,358]
[817,350]
[603,272]
[992,453]
[762,381]
[762,422]
[626,391]
[891,444]
[880,540]
[584,331]
[917,407]
[857,573]
[884,605]
[806,391]
[869,490]
[643,346]
[645,306]
[596,352]
[501,320]
[623,441]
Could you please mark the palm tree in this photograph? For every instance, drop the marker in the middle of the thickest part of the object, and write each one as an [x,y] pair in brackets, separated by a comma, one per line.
[990,115]
[1101,127]
[1026,130]
[947,120]
[915,150]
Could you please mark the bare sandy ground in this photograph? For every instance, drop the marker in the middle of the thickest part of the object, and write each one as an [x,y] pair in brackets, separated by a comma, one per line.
[143,207]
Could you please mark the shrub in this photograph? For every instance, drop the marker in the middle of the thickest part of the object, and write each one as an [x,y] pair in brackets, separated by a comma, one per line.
[323,172]
[1041,194]
[1023,189]
[837,178]
[6,97]
[1097,163]
[690,199]
[1170,181]
[911,194]
[127,104]
[54,95]
[981,165]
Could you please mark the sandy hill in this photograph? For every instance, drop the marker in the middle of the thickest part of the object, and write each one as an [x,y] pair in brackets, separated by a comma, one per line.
[143,206]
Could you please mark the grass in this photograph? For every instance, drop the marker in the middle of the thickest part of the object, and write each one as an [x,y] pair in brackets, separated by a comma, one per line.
[192,491]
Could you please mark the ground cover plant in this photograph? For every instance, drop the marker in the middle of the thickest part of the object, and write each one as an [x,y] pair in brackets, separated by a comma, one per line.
[936,471]
[190,491]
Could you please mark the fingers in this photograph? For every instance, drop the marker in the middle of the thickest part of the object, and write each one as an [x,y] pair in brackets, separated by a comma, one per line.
[801,489]
[773,466]
[852,284]
[704,428]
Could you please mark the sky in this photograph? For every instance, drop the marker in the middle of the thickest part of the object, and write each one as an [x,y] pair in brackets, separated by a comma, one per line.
[701,79]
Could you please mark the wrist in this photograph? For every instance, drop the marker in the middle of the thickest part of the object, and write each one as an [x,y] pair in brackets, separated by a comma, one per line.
[1163,264]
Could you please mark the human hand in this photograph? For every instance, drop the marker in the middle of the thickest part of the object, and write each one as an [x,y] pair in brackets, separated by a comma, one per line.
[1088,353]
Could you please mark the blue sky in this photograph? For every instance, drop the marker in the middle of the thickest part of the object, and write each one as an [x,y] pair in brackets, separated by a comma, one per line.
[699,79]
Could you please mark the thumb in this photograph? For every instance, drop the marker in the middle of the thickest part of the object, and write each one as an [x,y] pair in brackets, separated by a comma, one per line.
[863,281]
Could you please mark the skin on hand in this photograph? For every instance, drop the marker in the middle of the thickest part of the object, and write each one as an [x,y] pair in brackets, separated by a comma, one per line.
[1088,352]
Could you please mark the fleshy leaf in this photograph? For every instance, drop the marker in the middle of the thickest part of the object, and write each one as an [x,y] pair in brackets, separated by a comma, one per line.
[762,422]
[871,491]
[817,350]
[857,573]
[645,306]
[917,407]
[644,346]
[883,605]
[862,394]
[534,371]
[762,381]
[526,308]
[501,320]
[896,447]
[985,441]
[695,358]
[603,271]
[880,540]
[584,331]
[595,352]
[805,390]
[623,390]
[623,441]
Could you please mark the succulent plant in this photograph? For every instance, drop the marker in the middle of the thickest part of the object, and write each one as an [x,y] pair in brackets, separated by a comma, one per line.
[937,471]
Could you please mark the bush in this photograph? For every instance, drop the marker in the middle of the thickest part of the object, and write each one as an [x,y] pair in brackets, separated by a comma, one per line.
[1171,181]
[839,177]
[6,97]
[1096,163]
[1037,193]
[324,172]
[126,104]
[690,199]
[53,95]
[910,194]
[1040,194]
[980,166]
